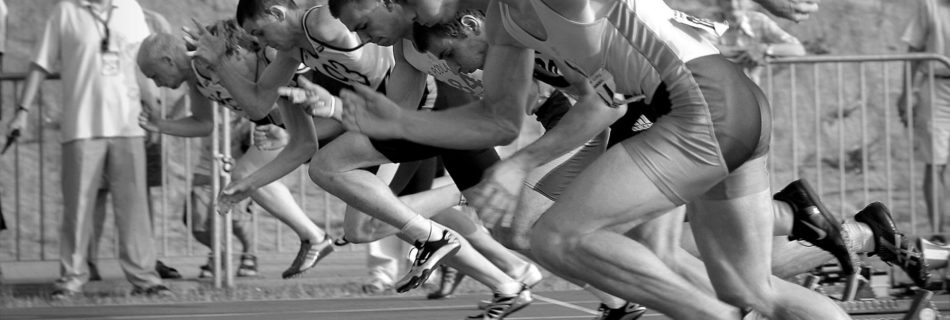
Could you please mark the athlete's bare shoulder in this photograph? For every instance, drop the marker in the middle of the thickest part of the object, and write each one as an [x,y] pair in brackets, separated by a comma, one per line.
[494,27]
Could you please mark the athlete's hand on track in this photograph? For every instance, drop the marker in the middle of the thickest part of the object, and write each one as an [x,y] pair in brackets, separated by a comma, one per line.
[795,10]
[270,137]
[371,113]
[496,197]
[147,119]
[207,48]
[315,100]
[232,195]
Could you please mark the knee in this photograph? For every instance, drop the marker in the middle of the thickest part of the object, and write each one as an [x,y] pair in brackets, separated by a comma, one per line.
[548,244]
[756,297]
[320,171]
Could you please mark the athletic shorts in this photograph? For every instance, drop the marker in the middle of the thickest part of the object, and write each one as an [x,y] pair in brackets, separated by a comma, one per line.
[465,166]
[553,177]
[710,143]
[414,177]
[932,123]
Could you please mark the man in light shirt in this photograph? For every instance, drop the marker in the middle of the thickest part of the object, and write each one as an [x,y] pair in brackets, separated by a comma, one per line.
[92,44]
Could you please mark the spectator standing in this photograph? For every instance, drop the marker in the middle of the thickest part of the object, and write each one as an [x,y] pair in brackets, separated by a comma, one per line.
[752,36]
[927,32]
[93,44]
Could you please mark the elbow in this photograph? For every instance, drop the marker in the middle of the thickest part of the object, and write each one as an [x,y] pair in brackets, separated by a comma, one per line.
[505,132]
[205,129]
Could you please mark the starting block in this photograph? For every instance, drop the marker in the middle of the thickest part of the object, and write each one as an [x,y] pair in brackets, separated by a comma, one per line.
[921,307]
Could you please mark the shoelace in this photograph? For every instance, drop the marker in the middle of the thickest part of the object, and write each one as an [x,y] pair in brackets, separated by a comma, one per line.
[499,305]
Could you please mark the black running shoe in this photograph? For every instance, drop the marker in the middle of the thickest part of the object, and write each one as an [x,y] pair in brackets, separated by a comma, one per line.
[629,311]
[451,278]
[815,223]
[501,305]
[428,256]
[165,271]
[308,256]
[891,245]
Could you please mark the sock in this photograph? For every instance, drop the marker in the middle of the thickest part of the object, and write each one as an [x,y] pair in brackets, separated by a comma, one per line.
[508,288]
[422,229]
[606,298]
[858,237]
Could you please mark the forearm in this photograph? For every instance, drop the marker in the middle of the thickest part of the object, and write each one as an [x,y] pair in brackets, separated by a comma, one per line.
[301,147]
[785,49]
[255,98]
[582,122]
[185,127]
[34,79]
[473,126]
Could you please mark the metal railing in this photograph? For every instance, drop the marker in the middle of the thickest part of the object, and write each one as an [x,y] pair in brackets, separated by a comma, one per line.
[851,138]
[33,209]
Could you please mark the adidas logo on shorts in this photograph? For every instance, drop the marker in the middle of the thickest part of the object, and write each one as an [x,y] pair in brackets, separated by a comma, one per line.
[642,124]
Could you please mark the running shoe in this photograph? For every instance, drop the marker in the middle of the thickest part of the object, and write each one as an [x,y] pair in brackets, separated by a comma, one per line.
[813,222]
[629,311]
[531,276]
[428,256]
[248,266]
[891,245]
[503,305]
[451,278]
[153,291]
[308,256]
[165,271]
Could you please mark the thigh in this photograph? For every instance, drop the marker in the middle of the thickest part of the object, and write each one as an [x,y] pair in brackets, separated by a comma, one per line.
[348,152]
[126,172]
[467,166]
[613,190]
[83,163]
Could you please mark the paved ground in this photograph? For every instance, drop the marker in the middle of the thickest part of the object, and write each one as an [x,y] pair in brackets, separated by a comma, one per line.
[342,269]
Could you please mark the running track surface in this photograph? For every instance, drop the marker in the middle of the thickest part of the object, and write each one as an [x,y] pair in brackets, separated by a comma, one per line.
[547,305]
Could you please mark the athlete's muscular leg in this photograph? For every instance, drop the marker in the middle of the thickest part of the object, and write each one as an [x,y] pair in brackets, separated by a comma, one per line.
[662,235]
[734,237]
[275,197]
[360,227]
[571,238]
[335,168]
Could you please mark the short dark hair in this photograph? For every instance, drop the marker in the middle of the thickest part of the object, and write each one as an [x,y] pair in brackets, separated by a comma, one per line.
[336,5]
[454,29]
[251,9]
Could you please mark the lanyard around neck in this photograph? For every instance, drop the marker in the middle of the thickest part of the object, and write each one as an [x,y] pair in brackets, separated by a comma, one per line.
[104,43]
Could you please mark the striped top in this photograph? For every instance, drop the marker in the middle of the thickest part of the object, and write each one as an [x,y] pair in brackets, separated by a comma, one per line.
[367,64]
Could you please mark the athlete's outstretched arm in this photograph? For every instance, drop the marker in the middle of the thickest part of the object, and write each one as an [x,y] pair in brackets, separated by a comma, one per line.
[494,120]
[199,124]
[257,98]
[301,147]
[500,189]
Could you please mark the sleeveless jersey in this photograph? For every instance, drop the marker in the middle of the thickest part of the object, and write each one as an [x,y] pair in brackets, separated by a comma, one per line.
[632,46]
[440,70]
[368,64]
[211,88]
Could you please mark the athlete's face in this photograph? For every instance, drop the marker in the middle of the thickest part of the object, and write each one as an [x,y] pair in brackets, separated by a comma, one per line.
[463,54]
[271,30]
[163,72]
[432,12]
[376,22]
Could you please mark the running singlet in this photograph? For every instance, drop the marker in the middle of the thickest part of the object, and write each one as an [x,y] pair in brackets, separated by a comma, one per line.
[440,70]
[211,88]
[368,64]
[631,48]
